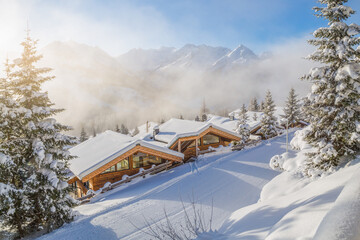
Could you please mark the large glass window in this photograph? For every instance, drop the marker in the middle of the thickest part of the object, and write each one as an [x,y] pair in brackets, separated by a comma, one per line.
[211,139]
[193,143]
[143,160]
[123,165]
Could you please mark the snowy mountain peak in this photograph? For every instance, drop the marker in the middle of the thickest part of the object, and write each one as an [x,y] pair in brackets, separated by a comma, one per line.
[239,56]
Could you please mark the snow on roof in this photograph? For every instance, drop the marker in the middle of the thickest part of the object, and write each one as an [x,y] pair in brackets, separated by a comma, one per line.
[142,130]
[230,125]
[100,150]
[173,129]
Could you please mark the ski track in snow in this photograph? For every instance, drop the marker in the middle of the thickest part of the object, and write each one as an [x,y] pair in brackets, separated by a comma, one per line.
[231,179]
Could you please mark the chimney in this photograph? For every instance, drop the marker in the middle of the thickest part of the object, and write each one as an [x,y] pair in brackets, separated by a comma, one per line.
[156,131]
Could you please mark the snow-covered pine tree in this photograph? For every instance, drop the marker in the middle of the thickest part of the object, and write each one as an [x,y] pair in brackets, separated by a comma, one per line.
[44,148]
[255,118]
[292,108]
[14,203]
[268,120]
[204,118]
[197,119]
[243,129]
[334,100]
[253,106]
[117,129]
[83,135]
[136,131]
[261,108]
[124,129]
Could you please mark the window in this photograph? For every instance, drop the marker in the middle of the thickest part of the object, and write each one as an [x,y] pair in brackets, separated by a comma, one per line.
[123,165]
[143,160]
[210,139]
[193,143]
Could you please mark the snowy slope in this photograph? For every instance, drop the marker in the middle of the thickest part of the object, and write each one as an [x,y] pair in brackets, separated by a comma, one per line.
[250,201]
[291,207]
[232,179]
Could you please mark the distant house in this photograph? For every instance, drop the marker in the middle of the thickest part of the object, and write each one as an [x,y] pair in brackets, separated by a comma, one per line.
[183,135]
[111,155]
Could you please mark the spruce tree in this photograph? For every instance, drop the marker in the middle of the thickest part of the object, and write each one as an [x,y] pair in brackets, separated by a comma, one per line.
[262,106]
[292,108]
[268,120]
[43,149]
[204,118]
[254,106]
[14,203]
[243,129]
[255,118]
[136,131]
[124,129]
[83,135]
[333,107]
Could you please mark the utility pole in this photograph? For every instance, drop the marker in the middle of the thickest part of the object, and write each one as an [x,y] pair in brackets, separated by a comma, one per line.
[287,135]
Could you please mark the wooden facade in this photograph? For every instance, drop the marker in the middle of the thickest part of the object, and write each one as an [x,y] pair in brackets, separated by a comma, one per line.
[109,172]
[96,179]
[186,145]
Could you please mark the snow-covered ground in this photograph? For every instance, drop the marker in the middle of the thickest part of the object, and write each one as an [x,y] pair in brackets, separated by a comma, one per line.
[250,200]
[231,179]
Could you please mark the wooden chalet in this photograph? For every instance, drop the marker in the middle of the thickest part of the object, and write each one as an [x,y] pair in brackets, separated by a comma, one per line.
[111,155]
[184,135]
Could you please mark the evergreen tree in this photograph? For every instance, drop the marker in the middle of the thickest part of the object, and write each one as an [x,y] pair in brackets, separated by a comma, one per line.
[124,130]
[292,108]
[255,117]
[333,108]
[83,135]
[136,131]
[181,117]
[243,117]
[204,118]
[14,212]
[262,106]
[197,119]
[268,120]
[243,129]
[204,109]
[254,106]
[42,150]
[117,129]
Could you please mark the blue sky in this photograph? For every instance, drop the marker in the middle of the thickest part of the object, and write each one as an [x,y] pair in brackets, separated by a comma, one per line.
[117,26]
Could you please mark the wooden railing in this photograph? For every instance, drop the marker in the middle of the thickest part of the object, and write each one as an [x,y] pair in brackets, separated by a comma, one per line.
[241,146]
[152,171]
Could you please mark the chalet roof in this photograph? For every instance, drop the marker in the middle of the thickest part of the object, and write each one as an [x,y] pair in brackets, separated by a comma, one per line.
[174,129]
[230,125]
[100,150]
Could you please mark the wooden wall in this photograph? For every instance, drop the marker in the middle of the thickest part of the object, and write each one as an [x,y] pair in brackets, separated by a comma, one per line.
[191,151]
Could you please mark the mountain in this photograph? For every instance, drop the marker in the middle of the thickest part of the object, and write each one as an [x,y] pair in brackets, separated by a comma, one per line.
[145,60]
[239,56]
[99,91]
[199,57]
